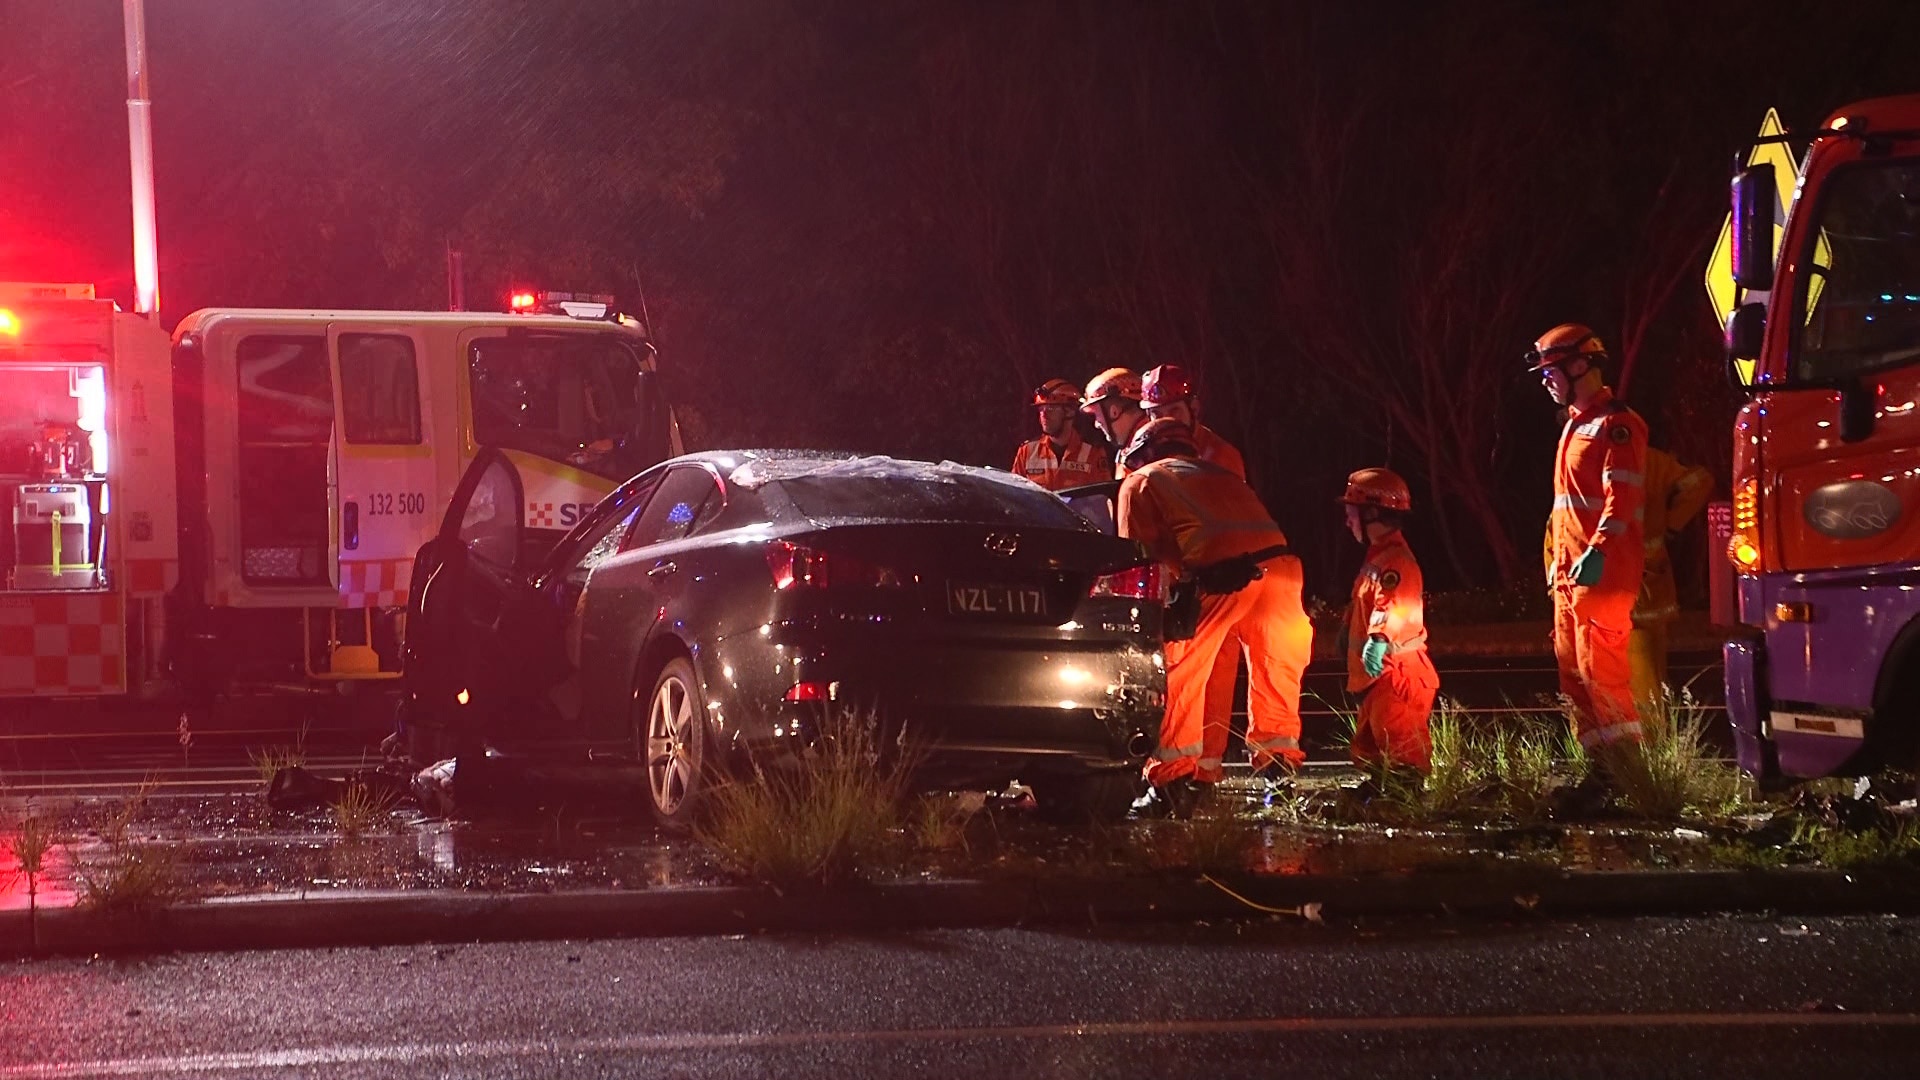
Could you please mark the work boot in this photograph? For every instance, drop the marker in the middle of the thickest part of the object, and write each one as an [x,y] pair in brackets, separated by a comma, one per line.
[1588,798]
[1173,799]
[1400,780]
[1200,793]
[1279,779]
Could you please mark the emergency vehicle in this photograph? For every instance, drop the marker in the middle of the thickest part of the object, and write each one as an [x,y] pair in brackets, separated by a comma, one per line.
[239,503]
[1826,453]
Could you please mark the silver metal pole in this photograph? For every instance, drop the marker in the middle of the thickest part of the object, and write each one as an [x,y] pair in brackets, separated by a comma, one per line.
[146,261]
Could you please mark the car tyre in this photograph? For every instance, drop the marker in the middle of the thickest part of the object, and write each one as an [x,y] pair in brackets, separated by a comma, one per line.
[1100,798]
[671,732]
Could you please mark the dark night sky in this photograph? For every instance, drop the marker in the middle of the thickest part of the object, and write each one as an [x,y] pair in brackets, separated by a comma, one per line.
[877,225]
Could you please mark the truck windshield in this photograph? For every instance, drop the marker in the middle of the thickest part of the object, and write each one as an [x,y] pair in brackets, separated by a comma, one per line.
[577,398]
[1860,301]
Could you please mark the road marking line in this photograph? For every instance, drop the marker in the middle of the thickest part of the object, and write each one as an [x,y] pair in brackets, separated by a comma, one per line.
[693,1041]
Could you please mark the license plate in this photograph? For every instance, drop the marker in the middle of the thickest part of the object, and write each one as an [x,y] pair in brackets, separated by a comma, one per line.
[964,598]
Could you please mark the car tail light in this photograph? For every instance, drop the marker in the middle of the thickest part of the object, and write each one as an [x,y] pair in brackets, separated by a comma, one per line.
[806,691]
[1743,547]
[1144,582]
[798,566]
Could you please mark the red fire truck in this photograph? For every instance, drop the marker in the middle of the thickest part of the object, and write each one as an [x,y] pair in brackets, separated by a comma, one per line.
[1826,462]
[238,503]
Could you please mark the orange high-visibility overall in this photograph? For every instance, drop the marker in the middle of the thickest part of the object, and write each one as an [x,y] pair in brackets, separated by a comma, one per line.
[1225,677]
[1079,462]
[1599,487]
[1387,603]
[1192,513]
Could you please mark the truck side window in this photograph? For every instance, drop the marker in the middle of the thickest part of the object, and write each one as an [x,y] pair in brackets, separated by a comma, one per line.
[571,397]
[285,423]
[379,389]
[286,394]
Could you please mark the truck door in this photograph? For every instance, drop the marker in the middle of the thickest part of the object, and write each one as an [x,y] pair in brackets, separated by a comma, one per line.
[383,467]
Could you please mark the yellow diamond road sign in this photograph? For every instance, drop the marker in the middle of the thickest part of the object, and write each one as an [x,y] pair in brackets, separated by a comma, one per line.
[1721,290]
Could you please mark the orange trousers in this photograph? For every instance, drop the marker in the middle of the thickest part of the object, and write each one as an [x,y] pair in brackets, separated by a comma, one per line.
[1221,684]
[1277,638]
[1590,631]
[1392,727]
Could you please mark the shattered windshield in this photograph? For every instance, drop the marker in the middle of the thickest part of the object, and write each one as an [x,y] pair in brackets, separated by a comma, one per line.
[1861,300]
[911,490]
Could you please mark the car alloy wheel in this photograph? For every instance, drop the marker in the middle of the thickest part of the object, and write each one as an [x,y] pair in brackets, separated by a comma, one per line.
[674,744]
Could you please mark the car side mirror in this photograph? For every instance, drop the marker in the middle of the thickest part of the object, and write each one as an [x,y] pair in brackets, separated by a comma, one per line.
[1859,399]
[1746,330]
[1754,195]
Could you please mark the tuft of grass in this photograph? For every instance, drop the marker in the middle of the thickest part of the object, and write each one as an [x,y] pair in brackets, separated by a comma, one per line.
[1216,840]
[269,760]
[361,808]
[939,822]
[33,838]
[1529,762]
[30,845]
[132,877]
[1211,841]
[818,820]
[1462,765]
[1845,849]
[1674,773]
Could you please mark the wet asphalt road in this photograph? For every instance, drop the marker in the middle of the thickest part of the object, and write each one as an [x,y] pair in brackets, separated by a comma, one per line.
[1703,997]
[47,751]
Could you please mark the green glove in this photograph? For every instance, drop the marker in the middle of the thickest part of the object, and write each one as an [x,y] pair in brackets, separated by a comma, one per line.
[1373,657]
[1589,566]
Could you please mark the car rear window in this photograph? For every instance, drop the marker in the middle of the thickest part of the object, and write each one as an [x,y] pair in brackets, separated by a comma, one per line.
[961,499]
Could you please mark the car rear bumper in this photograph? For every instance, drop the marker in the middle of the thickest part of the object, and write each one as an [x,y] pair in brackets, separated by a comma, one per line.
[972,710]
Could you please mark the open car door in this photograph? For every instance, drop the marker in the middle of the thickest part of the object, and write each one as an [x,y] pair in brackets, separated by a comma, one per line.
[479,654]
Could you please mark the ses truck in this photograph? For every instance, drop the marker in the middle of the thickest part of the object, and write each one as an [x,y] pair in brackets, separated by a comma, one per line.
[238,504]
[1825,677]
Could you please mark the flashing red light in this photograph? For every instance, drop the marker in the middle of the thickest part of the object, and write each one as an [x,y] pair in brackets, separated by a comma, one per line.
[806,691]
[522,301]
[9,323]
[1144,582]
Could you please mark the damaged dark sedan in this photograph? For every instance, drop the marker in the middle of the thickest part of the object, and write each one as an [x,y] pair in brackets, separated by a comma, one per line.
[717,609]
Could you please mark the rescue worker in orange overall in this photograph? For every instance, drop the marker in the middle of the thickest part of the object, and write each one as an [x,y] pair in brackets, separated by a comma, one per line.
[1168,391]
[1113,400]
[1387,659]
[1594,549]
[1206,525]
[1675,493]
[1060,458]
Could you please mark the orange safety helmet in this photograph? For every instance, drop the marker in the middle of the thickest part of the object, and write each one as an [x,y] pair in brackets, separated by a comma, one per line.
[1115,382]
[1158,438]
[1378,487]
[1057,392]
[1165,385]
[1565,342]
